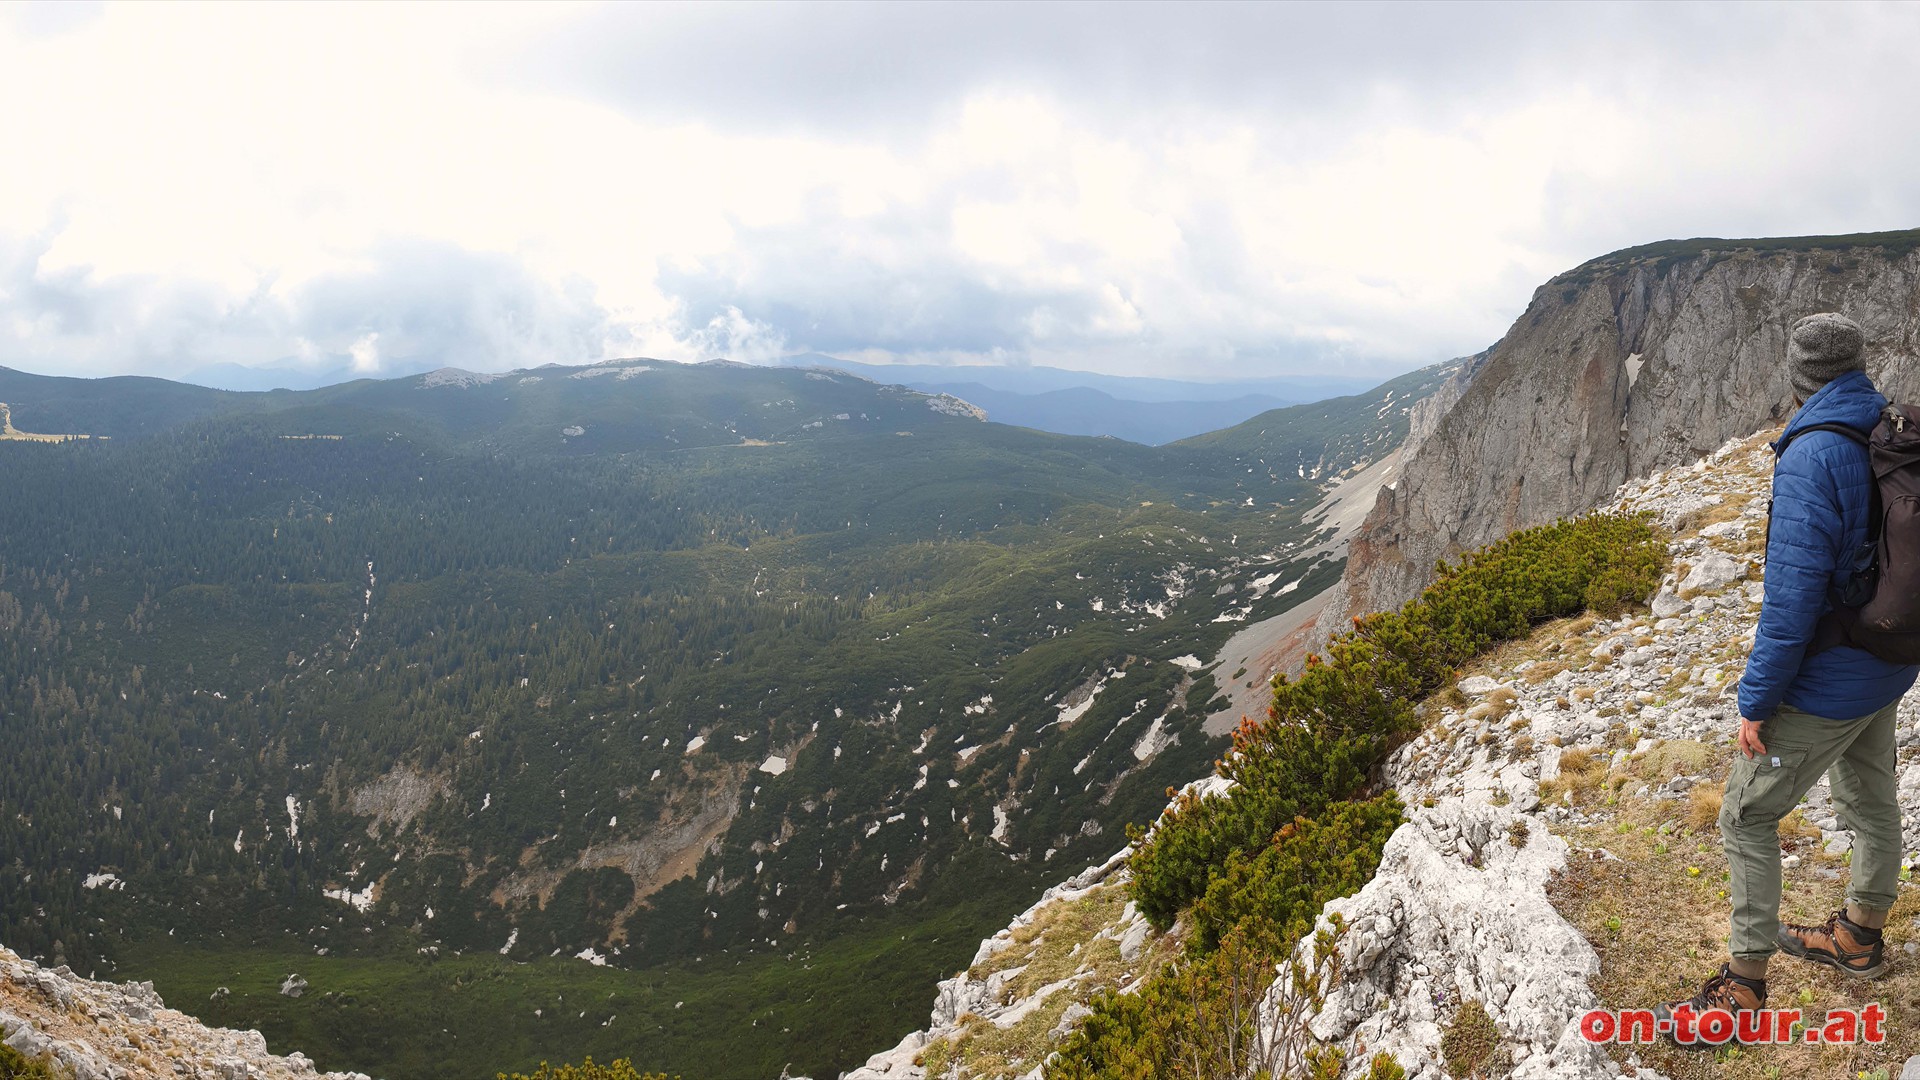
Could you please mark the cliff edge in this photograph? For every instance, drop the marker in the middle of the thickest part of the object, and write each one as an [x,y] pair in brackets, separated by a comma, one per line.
[1634,362]
[91,1030]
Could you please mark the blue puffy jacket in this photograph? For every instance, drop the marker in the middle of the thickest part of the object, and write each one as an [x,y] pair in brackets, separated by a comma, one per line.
[1822,492]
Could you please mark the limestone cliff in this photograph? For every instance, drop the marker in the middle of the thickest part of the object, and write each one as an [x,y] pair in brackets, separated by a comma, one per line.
[1633,362]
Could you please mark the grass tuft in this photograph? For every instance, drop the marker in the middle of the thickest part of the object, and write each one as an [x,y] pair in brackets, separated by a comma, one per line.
[1469,1042]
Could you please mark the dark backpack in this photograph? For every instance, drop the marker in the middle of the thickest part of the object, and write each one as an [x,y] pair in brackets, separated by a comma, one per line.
[1877,608]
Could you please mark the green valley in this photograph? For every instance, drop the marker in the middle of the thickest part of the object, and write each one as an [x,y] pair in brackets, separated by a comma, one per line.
[521,708]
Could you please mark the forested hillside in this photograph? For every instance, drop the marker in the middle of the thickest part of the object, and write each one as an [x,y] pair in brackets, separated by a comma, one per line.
[639,664]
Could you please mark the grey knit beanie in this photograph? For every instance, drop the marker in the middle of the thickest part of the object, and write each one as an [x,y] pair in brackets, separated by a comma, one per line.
[1821,348]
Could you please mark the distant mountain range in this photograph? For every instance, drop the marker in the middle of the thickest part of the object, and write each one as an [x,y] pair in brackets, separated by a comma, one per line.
[1143,410]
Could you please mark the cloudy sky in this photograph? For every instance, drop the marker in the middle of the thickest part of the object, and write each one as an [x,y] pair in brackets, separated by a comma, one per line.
[1182,189]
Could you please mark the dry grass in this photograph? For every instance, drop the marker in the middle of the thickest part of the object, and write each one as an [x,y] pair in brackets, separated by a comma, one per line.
[1752,545]
[1691,522]
[1063,939]
[1657,915]
[1703,806]
[1795,826]
[1548,646]
[1582,772]
[1495,706]
[1543,671]
[1682,678]
[983,1049]
[1677,757]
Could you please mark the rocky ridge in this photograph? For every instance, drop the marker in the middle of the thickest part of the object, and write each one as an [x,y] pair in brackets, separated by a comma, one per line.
[91,1030]
[1463,906]
[1632,363]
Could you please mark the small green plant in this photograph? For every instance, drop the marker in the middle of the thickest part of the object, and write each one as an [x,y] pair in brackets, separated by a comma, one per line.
[1470,1041]
[16,1066]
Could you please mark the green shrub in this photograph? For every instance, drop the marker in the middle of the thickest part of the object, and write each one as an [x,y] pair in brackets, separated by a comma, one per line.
[1329,729]
[1191,1021]
[16,1066]
[1257,865]
[1195,1019]
[1285,886]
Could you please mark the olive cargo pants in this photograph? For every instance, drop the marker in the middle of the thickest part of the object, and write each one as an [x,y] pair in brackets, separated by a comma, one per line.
[1858,758]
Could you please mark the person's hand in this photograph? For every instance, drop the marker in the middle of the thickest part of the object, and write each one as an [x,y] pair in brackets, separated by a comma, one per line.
[1750,743]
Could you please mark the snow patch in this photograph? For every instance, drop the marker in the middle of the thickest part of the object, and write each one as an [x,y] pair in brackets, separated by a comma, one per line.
[361,901]
[1072,710]
[1002,821]
[1155,739]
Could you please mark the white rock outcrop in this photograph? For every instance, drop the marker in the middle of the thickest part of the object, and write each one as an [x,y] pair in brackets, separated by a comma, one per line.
[101,1031]
[1458,911]
[963,996]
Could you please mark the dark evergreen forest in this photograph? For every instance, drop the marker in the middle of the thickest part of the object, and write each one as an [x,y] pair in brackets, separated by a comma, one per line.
[652,667]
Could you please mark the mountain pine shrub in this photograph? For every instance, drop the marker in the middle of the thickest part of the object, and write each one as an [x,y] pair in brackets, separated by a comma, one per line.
[1256,866]
[1329,728]
[1285,885]
[17,1066]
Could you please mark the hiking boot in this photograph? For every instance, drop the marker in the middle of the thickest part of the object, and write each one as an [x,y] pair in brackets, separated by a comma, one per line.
[1837,943]
[1725,992]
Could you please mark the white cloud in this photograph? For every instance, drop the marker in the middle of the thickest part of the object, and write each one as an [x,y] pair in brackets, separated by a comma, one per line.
[1187,190]
[366,353]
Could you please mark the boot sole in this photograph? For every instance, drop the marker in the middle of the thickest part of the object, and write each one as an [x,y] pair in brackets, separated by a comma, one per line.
[1793,948]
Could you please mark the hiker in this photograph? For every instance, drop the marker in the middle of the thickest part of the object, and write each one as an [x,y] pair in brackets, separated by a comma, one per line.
[1807,709]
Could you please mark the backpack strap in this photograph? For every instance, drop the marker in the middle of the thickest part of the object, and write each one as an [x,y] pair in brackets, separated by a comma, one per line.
[1875,513]
[1833,628]
[1848,430]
